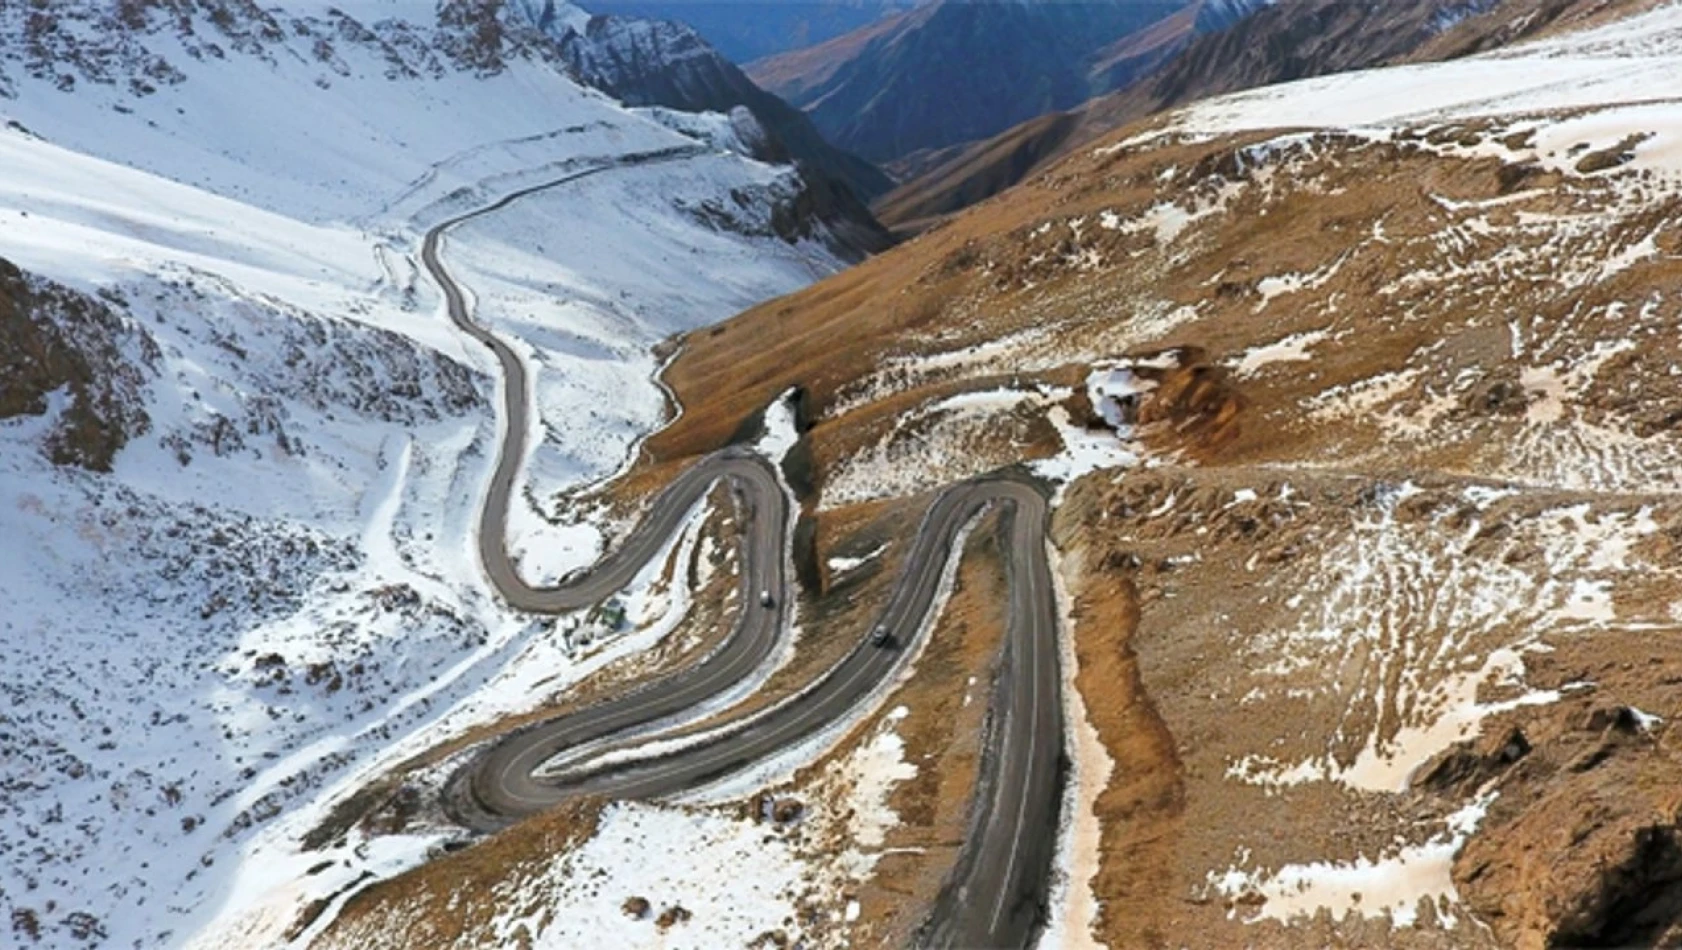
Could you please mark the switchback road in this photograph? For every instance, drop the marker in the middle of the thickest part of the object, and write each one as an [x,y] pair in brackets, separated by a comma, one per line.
[996,895]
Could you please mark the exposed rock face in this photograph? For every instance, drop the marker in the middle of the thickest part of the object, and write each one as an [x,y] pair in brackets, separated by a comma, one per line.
[1583,846]
[62,342]
[1194,407]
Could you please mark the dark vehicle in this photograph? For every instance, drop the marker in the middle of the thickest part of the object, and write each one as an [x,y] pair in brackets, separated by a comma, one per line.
[766,600]
[881,637]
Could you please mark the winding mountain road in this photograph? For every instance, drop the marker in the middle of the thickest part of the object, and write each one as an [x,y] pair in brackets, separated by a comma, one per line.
[997,892]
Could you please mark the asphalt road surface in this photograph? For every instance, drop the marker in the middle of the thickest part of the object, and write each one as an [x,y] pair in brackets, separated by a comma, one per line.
[996,894]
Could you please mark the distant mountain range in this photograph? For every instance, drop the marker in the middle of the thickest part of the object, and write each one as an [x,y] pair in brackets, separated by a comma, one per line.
[952,71]
[746,30]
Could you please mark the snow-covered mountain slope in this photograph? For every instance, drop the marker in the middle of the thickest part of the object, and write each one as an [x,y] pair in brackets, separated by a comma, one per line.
[329,110]
[1631,62]
[241,447]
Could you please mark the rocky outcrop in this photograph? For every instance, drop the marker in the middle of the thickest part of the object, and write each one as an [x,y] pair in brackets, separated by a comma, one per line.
[797,208]
[1582,846]
[75,356]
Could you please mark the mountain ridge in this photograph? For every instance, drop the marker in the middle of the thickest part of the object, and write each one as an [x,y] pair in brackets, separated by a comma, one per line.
[948,71]
[669,64]
[1278,42]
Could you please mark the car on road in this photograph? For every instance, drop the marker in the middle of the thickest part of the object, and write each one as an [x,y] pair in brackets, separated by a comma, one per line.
[881,637]
[766,600]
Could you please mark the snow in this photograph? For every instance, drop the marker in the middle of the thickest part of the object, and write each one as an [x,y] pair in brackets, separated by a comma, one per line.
[1011,353]
[937,443]
[547,552]
[1166,221]
[1360,398]
[1461,718]
[1074,901]
[845,565]
[378,857]
[1084,451]
[1551,386]
[1601,89]
[1646,720]
[1621,64]
[876,769]
[738,877]
[512,673]
[1290,349]
[1393,886]
[736,881]
[324,142]
[1107,388]
[781,432]
[1427,623]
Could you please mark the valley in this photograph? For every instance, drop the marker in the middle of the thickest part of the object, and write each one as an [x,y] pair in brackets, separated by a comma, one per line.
[477,475]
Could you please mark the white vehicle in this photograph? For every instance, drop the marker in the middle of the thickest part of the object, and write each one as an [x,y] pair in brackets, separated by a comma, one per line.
[766,600]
